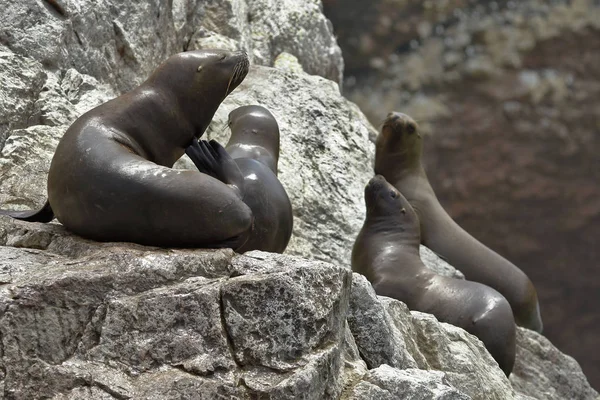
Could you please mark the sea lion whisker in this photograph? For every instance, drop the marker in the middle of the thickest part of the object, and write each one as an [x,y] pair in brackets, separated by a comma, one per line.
[232,77]
[225,127]
[229,84]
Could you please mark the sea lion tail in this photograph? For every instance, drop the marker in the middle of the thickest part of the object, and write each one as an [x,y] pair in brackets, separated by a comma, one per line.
[44,214]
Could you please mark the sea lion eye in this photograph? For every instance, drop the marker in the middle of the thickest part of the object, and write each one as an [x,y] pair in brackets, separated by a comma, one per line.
[222,57]
[393,194]
[411,128]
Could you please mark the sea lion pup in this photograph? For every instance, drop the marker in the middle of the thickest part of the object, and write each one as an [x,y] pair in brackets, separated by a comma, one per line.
[254,149]
[386,251]
[111,179]
[398,159]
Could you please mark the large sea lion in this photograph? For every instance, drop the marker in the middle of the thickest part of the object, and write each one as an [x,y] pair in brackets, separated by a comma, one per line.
[398,158]
[254,149]
[111,179]
[386,251]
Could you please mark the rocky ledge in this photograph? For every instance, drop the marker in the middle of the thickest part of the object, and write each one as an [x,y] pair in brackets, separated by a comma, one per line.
[84,320]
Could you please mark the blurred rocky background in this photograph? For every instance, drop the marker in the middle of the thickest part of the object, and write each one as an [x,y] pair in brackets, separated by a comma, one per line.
[508,93]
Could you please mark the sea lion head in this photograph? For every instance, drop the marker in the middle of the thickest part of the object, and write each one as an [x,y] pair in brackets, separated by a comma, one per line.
[384,200]
[399,142]
[200,80]
[254,125]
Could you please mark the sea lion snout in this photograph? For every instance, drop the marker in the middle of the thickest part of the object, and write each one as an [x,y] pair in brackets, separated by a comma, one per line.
[241,66]
[230,66]
[376,182]
[379,187]
[401,122]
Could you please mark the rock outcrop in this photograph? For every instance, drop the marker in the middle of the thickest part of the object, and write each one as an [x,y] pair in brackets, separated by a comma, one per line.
[86,320]
[83,320]
[508,91]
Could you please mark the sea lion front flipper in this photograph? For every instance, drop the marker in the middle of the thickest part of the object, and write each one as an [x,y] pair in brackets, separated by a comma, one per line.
[201,160]
[44,214]
[212,159]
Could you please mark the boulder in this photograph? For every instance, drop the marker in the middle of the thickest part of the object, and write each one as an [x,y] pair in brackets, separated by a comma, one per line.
[81,319]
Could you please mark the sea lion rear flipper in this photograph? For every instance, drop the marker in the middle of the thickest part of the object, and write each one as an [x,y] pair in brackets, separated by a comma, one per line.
[44,214]
[212,159]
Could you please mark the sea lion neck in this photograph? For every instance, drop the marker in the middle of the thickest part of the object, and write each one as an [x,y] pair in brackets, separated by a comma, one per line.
[255,131]
[393,228]
[186,98]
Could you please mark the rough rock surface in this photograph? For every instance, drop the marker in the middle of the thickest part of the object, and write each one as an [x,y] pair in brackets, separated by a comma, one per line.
[129,321]
[541,371]
[84,320]
[513,85]
[121,41]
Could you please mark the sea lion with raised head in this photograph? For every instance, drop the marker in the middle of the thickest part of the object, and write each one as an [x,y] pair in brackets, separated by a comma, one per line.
[398,158]
[254,148]
[386,251]
[111,179]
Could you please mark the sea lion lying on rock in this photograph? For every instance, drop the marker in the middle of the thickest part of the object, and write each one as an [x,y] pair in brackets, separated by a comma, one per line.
[111,178]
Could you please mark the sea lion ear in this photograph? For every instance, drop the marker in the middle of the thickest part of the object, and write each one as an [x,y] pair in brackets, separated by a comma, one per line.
[411,128]
[199,68]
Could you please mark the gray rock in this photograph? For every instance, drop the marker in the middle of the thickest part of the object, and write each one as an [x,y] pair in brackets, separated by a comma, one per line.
[387,333]
[179,325]
[126,319]
[543,372]
[121,42]
[266,28]
[380,339]
[466,363]
[389,383]
[21,81]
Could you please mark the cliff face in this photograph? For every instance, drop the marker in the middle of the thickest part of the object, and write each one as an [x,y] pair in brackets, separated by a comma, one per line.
[509,94]
[85,320]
